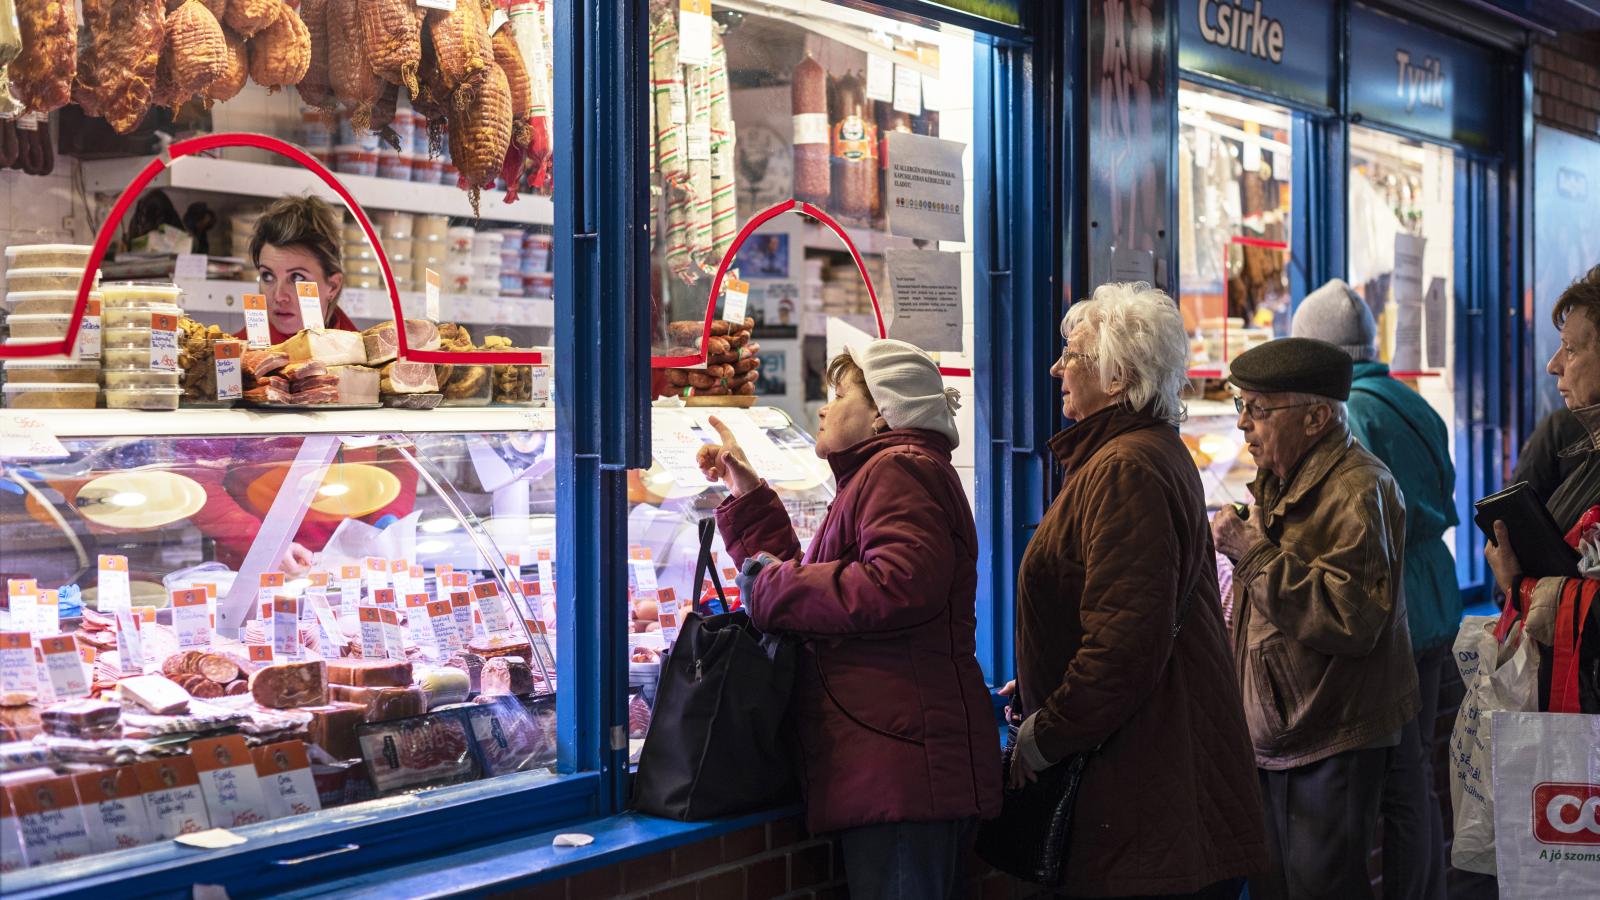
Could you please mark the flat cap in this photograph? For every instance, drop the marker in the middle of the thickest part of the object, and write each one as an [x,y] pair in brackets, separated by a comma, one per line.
[1294,365]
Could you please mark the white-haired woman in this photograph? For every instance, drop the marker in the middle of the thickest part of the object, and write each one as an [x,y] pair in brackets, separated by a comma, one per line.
[1169,803]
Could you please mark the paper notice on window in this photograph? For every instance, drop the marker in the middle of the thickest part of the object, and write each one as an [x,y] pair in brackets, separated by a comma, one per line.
[907,90]
[926,188]
[927,299]
[694,32]
[1436,323]
[880,78]
[1407,292]
[26,436]
[770,461]
[677,443]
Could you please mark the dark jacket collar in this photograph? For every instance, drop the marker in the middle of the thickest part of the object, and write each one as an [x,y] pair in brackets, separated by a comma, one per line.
[848,461]
[1589,418]
[1370,369]
[1079,441]
[1311,470]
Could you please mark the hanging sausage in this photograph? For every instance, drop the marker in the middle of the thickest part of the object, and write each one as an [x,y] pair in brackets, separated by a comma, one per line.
[854,132]
[724,198]
[808,92]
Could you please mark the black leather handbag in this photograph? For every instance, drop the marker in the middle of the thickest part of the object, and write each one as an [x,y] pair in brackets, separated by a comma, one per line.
[1029,838]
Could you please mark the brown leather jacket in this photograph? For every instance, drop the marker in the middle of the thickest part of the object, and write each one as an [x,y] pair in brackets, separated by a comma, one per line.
[1320,639]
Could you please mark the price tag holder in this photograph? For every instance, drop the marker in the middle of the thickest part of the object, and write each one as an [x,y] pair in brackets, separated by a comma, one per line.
[163,342]
[461,612]
[333,634]
[47,613]
[416,624]
[172,796]
[228,781]
[394,639]
[284,771]
[22,597]
[64,667]
[51,821]
[114,592]
[496,619]
[113,806]
[442,629]
[371,619]
[230,377]
[349,589]
[270,586]
[735,300]
[261,654]
[286,627]
[18,674]
[191,618]
[644,572]
[89,332]
[130,644]
[383,597]
[667,613]
[310,305]
[256,332]
[377,572]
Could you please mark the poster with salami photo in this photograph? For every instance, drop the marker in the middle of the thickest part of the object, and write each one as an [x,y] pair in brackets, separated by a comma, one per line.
[419,752]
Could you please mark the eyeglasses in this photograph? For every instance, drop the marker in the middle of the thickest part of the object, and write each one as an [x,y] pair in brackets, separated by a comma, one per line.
[1257,412]
[1068,356]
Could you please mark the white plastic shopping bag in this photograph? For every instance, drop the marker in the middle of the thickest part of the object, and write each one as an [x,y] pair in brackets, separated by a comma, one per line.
[1547,804]
[1499,676]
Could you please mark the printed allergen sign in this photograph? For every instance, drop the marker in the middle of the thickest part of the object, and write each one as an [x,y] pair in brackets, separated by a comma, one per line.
[927,188]
[927,299]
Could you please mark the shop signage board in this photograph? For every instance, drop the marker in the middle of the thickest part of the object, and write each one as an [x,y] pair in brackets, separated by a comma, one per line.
[1282,47]
[1414,78]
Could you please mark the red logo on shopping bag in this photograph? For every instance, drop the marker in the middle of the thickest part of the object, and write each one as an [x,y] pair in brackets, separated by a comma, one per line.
[1566,813]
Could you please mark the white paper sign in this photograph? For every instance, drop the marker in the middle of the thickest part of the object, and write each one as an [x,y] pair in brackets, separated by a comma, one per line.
[191,619]
[285,776]
[228,781]
[18,673]
[461,612]
[735,299]
[285,628]
[89,332]
[771,461]
[51,821]
[64,668]
[907,90]
[333,635]
[257,333]
[644,576]
[47,612]
[432,283]
[932,93]
[926,188]
[676,447]
[114,809]
[26,436]
[927,299]
[880,77]
[113,592]
[394,637]
[310,304]
[172,796]
[694,33]
[496,618]
[230,379]
[130,645]
[1436,325]
[443,638]
[371,619]
[189,267]
[1406,286]
[163,342]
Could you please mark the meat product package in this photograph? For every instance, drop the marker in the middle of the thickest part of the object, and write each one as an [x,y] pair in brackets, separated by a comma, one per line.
[443,685]
[86,719]
[407,378]
[470,663]
[420,752]
[412,401]
[159,694]
[370,672]
[383,704]
[265,395]
[357,384]
[315,382]
[501,645]
[288,685]
[381,343]
[328,346]
[315,396]
[511,736]
[638,716]
[333,728]
[261,363]
[507,675]
[299,371]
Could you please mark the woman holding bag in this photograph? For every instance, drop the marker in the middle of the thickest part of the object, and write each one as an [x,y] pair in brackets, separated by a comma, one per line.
[898,747]
[1121,651]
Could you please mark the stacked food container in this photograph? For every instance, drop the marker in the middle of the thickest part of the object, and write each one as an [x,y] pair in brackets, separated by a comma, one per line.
[361,269]
[429,248]
[140,352]
[537,279]
[41,290]
[486,263]
[356,152]
[510,262]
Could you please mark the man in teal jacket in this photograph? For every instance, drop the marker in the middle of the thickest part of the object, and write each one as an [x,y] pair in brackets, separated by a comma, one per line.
[1396,425]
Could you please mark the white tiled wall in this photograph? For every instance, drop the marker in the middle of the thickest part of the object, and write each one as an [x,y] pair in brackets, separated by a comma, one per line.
[39,209]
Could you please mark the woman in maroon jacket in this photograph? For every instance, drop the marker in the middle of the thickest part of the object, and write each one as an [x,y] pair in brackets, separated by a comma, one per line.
[1169,804]
[898,747]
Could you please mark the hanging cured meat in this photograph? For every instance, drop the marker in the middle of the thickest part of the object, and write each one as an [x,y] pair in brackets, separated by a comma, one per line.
[232,80]
[531,19]
[724,199]
[41,76]
[354,82]
[316,88]
[698,80]
[808,91]
[509,58]
[394,40]
[280,54]
[117,70]
[197,46]
[246,17]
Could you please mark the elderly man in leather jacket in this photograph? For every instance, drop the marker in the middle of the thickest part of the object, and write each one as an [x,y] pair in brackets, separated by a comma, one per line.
[1320,640]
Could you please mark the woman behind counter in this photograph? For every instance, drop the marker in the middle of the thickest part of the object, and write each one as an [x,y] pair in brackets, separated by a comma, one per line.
[1169,803]
[297,239]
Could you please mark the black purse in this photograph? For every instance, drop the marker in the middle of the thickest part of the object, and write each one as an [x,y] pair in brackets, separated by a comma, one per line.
[1028,840]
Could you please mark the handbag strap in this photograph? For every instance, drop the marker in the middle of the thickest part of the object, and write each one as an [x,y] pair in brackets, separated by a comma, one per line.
[1577,597]
[708,533]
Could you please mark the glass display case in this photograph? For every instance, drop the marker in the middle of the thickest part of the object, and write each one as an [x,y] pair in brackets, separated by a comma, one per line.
[229,618]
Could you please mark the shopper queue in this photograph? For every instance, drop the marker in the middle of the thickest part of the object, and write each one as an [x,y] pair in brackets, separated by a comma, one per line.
[1198,760]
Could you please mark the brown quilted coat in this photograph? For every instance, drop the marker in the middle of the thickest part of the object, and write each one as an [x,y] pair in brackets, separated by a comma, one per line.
[1170,803]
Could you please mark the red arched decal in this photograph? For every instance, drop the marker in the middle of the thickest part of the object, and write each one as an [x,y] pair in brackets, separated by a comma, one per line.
[761,218]
[213,142]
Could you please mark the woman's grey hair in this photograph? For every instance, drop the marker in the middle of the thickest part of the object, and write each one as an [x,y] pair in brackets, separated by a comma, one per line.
[1140,341]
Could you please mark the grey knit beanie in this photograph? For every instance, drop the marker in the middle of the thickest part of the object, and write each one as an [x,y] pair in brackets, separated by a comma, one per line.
[1337,314]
